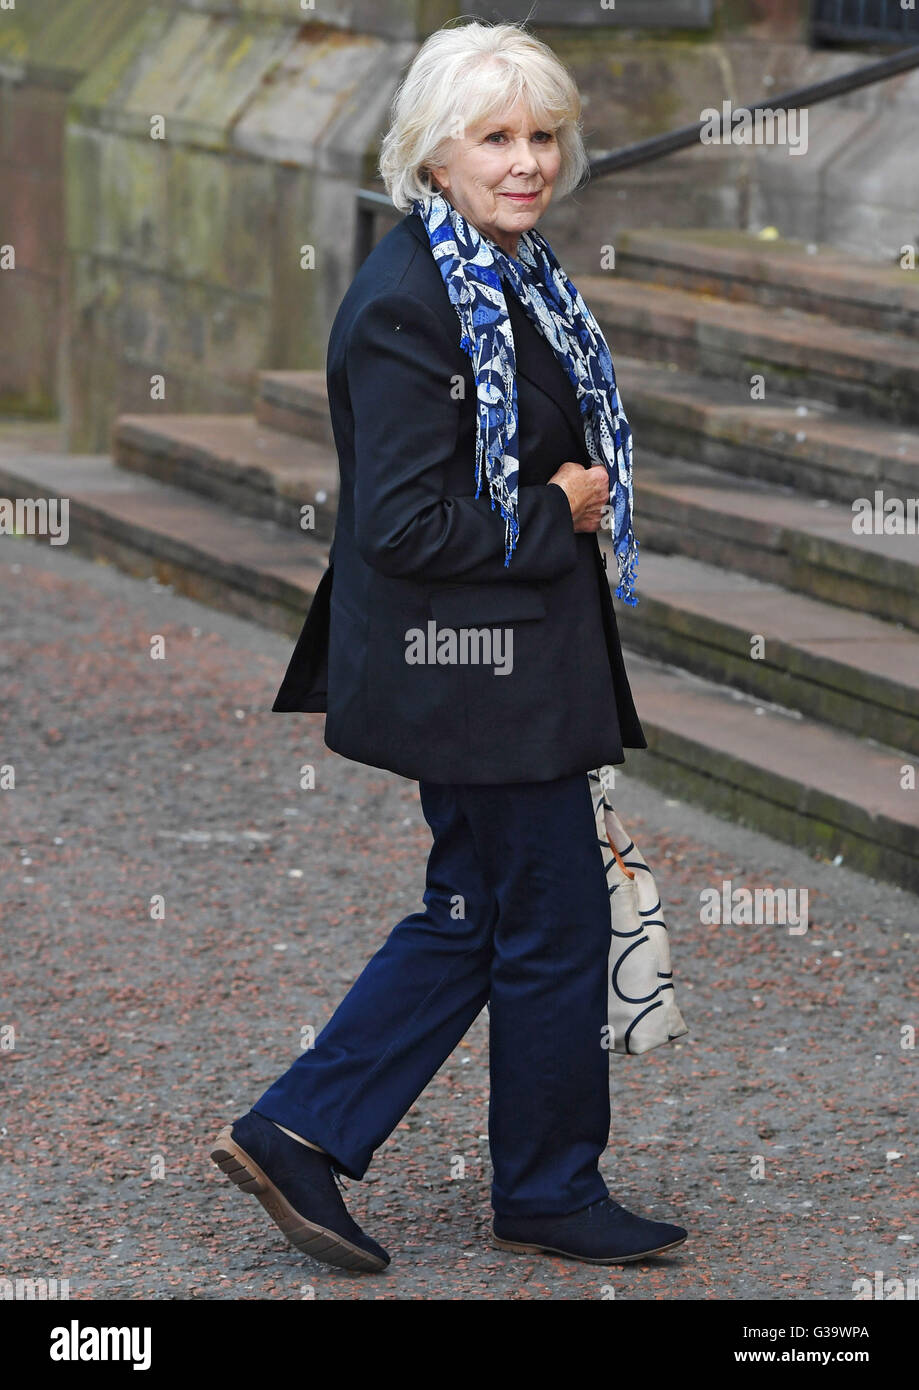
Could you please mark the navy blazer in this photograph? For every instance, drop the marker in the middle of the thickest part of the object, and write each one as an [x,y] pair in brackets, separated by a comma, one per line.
[530,684]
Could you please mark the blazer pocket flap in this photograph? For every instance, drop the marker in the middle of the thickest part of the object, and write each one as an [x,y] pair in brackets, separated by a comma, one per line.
[472,605]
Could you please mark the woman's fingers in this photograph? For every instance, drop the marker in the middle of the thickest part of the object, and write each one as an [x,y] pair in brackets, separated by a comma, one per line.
[595,492]
[587,490]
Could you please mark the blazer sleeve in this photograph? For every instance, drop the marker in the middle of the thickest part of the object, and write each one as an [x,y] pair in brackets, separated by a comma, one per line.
[401,370]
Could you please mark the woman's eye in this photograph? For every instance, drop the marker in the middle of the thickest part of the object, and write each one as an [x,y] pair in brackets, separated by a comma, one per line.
[541,135]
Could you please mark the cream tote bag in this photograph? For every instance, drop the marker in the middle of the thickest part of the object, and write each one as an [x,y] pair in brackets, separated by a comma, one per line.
[642,1006]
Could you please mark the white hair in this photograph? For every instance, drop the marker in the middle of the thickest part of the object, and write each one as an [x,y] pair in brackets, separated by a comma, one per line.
[460,76]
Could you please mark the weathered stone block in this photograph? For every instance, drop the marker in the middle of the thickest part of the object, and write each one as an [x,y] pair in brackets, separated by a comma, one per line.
[625,14]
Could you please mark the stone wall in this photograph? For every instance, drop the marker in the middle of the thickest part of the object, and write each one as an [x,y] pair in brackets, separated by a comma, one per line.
[166,168]
[45,50]
[190,255]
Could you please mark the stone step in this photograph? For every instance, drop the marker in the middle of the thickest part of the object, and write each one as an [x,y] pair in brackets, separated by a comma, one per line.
[843,668]
[250,467]
[737,265]
[253,567]
[812,447]
[809,446]
[821,789]
[296,403]
[803,544]
[797,354]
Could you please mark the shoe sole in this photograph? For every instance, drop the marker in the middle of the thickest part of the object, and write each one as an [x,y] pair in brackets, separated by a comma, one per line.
[317,1241]
[520,1249]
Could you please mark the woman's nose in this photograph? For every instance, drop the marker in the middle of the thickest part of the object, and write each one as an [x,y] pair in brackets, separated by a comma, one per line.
[524,160]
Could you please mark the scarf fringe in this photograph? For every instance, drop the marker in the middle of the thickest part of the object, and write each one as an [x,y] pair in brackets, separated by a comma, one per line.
[498,494]
[628,569]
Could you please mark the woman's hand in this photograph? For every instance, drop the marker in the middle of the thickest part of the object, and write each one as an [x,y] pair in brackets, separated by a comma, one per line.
[587,490]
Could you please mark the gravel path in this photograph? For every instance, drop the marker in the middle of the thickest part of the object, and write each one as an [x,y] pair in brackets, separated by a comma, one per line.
[136,1038]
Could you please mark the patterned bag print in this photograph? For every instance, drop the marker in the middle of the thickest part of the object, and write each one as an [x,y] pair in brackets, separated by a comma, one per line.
[642,1006]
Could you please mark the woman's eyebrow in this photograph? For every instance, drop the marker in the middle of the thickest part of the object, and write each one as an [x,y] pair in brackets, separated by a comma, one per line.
[502,129]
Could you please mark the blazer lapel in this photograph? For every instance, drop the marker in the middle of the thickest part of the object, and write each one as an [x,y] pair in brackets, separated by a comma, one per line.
[535,359]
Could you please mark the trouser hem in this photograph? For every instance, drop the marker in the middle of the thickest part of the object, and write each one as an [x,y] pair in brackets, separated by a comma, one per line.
[345,1166]
[528,1209]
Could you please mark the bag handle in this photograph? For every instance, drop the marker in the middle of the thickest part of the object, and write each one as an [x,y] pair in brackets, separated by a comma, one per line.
[629,873]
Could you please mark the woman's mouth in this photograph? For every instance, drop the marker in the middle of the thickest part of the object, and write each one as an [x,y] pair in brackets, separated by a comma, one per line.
[522,197]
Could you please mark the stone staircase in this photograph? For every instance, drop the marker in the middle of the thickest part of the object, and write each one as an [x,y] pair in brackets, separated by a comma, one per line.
[774,653]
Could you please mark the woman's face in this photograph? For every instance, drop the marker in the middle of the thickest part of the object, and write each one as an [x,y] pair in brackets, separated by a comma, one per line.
[490,163]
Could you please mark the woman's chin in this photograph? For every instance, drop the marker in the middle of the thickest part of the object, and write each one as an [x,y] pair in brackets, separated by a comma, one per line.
[517,221]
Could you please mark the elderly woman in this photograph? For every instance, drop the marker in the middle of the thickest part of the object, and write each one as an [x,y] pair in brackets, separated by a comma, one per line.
[464,636]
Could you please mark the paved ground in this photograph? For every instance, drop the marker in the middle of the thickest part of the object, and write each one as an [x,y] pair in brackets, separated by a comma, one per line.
[135,1039]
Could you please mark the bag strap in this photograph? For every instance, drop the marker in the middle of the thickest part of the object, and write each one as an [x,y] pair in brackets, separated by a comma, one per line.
[629,873]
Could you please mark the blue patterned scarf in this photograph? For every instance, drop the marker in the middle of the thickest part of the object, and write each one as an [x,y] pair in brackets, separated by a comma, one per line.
[471,266]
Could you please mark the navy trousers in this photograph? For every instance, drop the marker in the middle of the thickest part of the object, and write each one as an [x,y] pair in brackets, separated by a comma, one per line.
[516,916]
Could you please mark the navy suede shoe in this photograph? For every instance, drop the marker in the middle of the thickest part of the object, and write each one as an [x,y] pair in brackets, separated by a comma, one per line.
[296,1186]
[601,1234]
